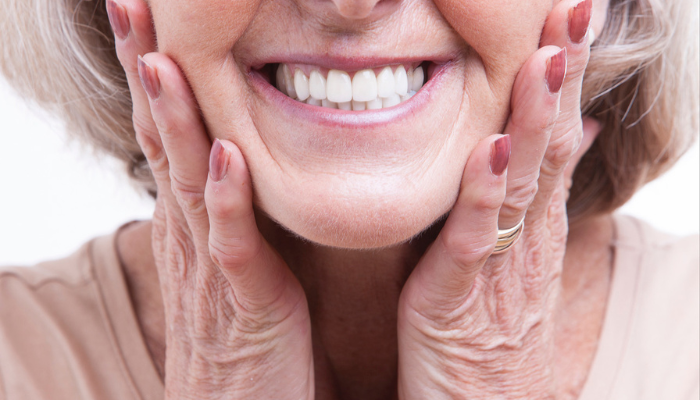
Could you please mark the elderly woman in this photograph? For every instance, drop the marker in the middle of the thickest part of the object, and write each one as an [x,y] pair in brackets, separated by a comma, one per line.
[363,199]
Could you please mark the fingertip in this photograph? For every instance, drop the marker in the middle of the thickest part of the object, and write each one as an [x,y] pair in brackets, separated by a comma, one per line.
[138,14]
[537,87]
[228,189]
[218,161]
[238,165]
[133,30]
[500,155]
[556,71]
[150,80]
[485,177]
[118,19]
[173,84]
[226,158]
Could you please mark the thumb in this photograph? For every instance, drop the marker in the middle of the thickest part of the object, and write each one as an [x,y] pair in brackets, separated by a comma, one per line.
[261,280]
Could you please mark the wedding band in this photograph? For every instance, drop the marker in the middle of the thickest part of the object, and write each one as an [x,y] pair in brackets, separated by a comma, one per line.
[508,237]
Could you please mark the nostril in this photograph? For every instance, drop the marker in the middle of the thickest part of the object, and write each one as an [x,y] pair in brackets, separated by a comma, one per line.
[355,9]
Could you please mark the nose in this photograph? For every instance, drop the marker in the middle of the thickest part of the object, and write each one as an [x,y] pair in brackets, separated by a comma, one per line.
[349,15]
[355,9]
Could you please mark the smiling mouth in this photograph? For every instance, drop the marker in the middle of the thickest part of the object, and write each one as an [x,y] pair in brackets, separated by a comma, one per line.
[366,89]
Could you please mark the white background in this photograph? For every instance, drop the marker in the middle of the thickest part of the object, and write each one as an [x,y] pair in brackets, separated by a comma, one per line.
[55,195]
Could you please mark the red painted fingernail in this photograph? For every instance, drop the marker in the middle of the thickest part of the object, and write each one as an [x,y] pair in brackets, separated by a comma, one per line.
[149,79]
[556,70]
[579,19]
[218,161]
[500,155]
[119,19]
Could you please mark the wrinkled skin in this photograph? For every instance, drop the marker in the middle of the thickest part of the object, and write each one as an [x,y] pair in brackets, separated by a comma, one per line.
[241,298]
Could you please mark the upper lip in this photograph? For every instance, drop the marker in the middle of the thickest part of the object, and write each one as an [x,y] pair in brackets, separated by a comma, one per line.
[348,63]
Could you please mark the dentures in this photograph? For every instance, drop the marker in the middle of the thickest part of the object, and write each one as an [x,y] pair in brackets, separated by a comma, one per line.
[368,89]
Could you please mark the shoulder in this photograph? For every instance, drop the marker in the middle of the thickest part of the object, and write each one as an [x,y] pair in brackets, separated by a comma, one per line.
[73,270]
[56,338]
[658,275]
[37,309]
[664,262]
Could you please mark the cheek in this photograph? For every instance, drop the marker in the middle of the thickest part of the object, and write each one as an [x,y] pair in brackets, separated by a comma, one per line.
[202,28]
[504,33]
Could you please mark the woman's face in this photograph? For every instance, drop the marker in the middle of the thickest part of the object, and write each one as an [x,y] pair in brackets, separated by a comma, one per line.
[352,178]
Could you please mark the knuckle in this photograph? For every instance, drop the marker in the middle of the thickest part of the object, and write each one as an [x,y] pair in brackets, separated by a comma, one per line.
[156,157]
[190,196]
[167,127]
[143,124]
[489,201]
[546,121]
[466,250]
[226,207]
[181,253]
[560,150]
[233,252]
[521,192]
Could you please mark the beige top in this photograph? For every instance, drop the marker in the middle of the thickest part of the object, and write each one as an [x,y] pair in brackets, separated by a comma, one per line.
[68,330]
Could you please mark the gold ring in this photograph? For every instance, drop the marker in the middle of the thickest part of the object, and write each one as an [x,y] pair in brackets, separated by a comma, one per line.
[508,237]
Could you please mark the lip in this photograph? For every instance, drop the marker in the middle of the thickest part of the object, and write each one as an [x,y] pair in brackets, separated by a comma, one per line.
[353,63]
[335,118]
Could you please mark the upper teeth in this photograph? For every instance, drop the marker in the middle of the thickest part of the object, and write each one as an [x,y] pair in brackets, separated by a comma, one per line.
[364,91]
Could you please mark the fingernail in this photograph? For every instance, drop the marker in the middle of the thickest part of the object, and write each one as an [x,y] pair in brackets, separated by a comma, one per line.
[218,161]
[500,155]
[119,19]
[579,19]
[556,70]
[149,79]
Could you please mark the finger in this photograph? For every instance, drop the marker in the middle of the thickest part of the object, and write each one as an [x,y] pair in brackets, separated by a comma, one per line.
[567,25]
[133,35]
[534,104]
[257,274]
[183,136]
[446,272]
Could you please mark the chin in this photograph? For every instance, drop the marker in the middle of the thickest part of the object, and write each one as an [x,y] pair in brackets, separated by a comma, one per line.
[360,214]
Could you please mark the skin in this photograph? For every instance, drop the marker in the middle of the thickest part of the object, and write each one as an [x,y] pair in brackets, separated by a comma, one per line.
[254,311]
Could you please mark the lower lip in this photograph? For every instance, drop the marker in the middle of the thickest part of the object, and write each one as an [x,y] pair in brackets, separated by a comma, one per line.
[341,118]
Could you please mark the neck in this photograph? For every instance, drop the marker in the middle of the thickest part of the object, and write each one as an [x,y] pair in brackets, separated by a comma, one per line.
[353,298]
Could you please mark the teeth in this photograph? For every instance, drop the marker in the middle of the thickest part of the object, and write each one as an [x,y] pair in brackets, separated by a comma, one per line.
[301,85]
[363,91]
[289,82]
[375,104]
[314,102]
[391,101]
[407,96]
[359,105]
[317,85]
[364,85]
[281,84]
[339,87]
[329,104]
[417,79]
[386,84]
[401,80]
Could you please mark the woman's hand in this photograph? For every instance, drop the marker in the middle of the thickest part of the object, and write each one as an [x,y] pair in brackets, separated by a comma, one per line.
[237,319]
[473,325]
